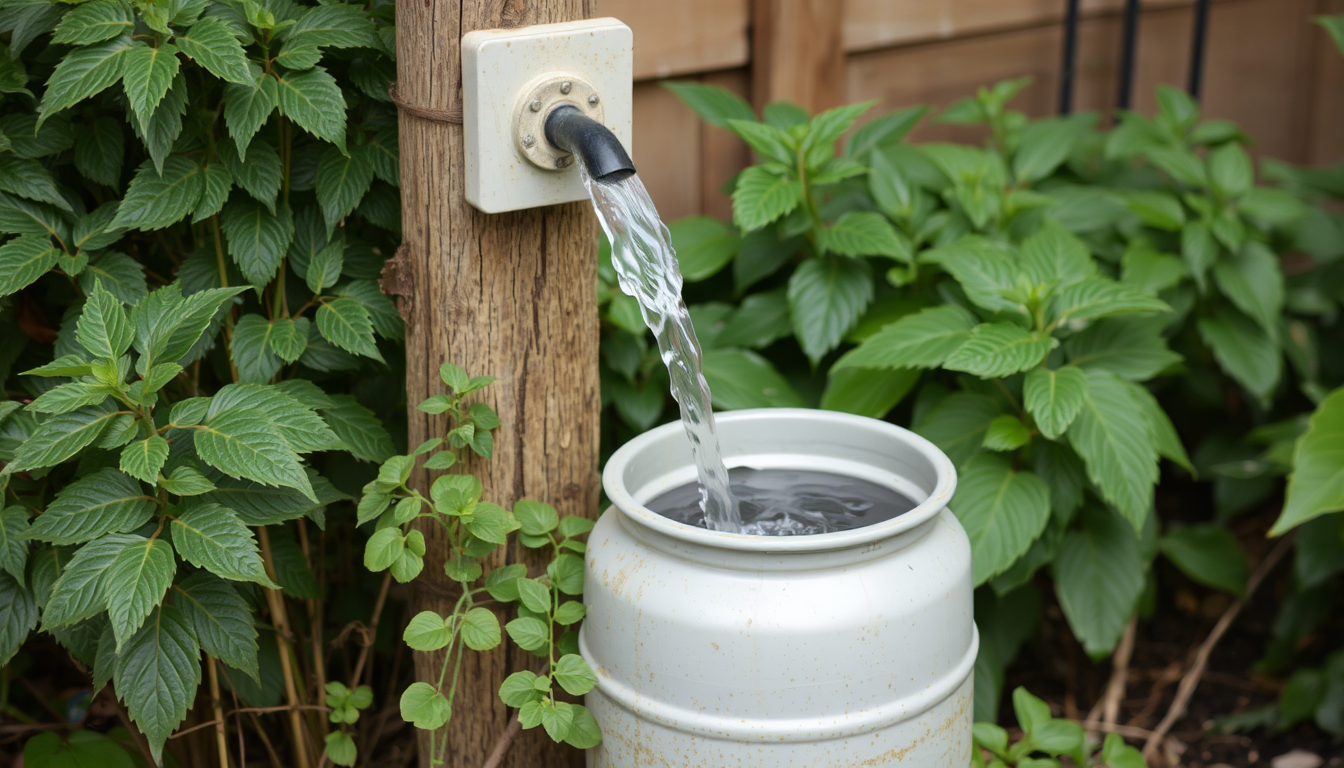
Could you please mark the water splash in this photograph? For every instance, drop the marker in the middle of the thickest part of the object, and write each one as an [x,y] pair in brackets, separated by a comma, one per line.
[646,264]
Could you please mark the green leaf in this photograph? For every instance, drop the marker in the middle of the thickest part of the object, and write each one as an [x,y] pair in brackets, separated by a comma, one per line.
[574,675]
[958,424]
[536,518]
[103,327]
[715,105]
[1199,249]
[1099,574]
[995,350]
[1160,428]
[703,245]
[106,501]
[1156,209]
[325,268]
[80,592]
[1208,554]
[218,182]
[100,147]
[30,179]
[246,108]
[143,459]
[62,436]
[1243,350]
[529,634]
[1006,433]
[84,72]
[424,707]
[519,689]
[95,22]
[427,631]
[23,260]
[1096,297]
[257,238]
[769,141]
[296,423]
[570,613]
[1054,255]
[826,299]
[1251,278]
[288,338]
[157,199]
[1230,170]
[186,481]
[136,583]
[1150,271]
[743,379]
[340,749]
[346,323]
[221,620]
[147,74]
[480,629]
[213,537]
[1116,447]
[157,674]
[313,101]
[883,131]
[1128,347]
[1054,397]
[1316,485]
[358,428]
[212,44]
[762,197]
[983,268]
[250,349]
[116,272]
[18,617]
[1044,145]
[13,545]
[261,175]
[1003,512]
[865,391]
[862,233]
[246,446]
[342,181]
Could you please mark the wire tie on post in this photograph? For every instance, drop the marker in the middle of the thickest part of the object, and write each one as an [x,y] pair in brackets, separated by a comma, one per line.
[453,116]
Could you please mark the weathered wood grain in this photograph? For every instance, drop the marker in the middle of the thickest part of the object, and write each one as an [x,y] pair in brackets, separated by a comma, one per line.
[509,295]
[797,54]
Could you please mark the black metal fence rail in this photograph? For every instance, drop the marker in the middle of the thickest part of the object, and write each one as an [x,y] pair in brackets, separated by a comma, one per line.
[1128,53]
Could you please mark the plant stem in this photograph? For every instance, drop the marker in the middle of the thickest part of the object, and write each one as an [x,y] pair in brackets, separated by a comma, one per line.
[220,737]
[276,602]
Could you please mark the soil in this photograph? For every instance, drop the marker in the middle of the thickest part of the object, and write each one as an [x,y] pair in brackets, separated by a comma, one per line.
[1055,668]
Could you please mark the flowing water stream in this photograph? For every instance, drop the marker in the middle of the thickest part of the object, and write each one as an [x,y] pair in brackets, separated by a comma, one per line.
[641,251]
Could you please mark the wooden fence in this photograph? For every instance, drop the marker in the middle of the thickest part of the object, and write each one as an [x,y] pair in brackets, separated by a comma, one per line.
[1266,67]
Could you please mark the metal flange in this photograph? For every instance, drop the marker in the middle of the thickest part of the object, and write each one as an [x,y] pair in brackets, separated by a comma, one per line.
[536,101]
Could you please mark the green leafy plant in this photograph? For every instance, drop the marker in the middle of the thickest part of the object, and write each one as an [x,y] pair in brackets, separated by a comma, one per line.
[1045,740]
[471,529]
[195,201]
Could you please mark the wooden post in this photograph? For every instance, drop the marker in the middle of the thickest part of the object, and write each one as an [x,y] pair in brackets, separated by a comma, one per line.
[798,54]
[507,295]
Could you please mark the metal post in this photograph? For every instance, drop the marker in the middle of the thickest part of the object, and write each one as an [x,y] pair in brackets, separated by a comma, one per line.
[1197,48]
[1128,44]
[1066,70]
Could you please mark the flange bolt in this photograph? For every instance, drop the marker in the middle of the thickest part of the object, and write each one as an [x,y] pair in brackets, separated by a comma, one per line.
[535,106]
[592,100]
[562,162]
[566,87]
[529,141]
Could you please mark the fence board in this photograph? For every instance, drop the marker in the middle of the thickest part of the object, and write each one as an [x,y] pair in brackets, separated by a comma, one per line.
[684,36]
[1250,69]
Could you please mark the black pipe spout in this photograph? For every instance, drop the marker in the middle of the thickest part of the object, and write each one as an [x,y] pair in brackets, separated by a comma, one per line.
[598,148]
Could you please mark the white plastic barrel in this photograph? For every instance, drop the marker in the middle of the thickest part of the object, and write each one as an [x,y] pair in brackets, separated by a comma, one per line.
[852,649]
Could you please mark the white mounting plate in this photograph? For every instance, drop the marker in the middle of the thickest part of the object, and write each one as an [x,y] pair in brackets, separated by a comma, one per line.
[499,67]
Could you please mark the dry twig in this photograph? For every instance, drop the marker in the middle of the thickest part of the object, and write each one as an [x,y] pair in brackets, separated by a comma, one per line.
[1190,681]
[503,743]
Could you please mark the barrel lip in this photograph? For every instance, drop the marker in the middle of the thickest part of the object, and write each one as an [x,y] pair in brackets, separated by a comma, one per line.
[614,483]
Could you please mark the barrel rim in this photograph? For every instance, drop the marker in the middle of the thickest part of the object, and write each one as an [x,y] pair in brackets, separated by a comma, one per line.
[937,500]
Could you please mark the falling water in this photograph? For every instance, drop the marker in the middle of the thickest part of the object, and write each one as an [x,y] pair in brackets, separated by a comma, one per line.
[641,251]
